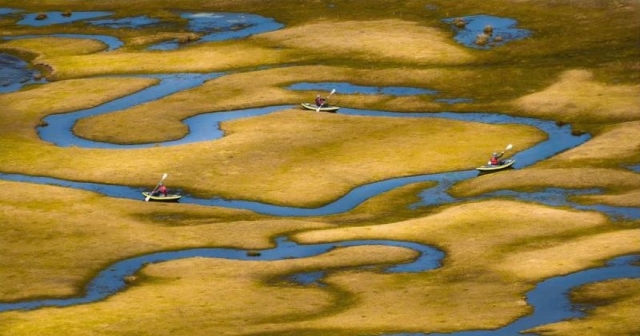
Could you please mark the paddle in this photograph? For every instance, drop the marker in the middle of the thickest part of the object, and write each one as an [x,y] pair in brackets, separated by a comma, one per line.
[164,176]
[509,146]
[506,149]
[332,92]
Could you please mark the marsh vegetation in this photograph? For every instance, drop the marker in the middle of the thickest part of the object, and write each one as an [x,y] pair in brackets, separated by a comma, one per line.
[577,66]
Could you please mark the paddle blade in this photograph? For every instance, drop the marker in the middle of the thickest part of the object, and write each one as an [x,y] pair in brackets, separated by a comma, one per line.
[509,147]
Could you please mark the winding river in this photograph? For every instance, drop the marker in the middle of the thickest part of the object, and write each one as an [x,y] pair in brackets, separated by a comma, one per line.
[549,297]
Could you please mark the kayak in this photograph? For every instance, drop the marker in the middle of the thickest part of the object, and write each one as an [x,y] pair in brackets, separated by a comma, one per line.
[504,164]
[161,198]
[314,107]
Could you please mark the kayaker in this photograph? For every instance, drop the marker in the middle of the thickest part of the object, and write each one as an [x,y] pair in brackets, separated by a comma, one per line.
[495,158]
[162,189]
[319,100]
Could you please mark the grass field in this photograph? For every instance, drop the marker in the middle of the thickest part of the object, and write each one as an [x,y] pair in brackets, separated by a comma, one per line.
[579,66]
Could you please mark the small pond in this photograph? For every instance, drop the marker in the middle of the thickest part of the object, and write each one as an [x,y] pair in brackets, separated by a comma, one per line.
[213,26]
[5,11]
[504,30]
[15,74]
[222,26]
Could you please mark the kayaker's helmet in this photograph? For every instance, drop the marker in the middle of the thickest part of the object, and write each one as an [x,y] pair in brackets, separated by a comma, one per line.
[495,154]
[317,96]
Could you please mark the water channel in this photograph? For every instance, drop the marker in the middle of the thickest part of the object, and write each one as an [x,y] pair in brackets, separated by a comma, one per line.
[549,298]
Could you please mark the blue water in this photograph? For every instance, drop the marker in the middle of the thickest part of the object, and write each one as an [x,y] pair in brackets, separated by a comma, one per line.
[112,43]
[635,168]
[59,126]
[59,132]
[503,27]
[112,279]
[55,18]
[550,301]
[129,22]
[348,88]
[452,101]
[6,11]
[15,74]
[222,26]
[212,26]
[548,298]
[205,127]
[308,278]
[559,197]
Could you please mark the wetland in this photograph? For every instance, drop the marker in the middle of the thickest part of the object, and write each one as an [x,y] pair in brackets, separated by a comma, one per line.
[369,221]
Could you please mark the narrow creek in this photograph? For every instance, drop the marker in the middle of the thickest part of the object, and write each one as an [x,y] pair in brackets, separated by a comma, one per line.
[112,280]
[549,298]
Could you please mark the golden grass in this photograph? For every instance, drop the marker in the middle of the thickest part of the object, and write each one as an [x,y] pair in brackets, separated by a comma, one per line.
[289,157]
[219,296]
[625,199]
[80,60]
[384,40]
[146,40]
[476,238]
[481,229]
[48,47]
[52,240]
[537,178]
[23,110]
[161,120]
[615,314]
[577,97]
[547,261]
[463,294]
[613,146]
[68,235]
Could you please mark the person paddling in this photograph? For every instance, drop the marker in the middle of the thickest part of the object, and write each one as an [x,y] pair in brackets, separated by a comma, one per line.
[162,190]
[495,158]
[320,101]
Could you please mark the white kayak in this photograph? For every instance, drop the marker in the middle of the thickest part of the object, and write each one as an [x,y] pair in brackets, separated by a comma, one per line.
[160,198]
[314,107]
[504,164]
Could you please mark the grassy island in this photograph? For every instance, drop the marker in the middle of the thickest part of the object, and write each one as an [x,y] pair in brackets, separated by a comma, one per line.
[577,66]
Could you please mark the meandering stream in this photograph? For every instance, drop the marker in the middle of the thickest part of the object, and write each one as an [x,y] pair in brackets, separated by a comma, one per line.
[112,279]
[549,298]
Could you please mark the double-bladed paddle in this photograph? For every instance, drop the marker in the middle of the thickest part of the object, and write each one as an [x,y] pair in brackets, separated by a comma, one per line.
[164,176]
[332,92]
